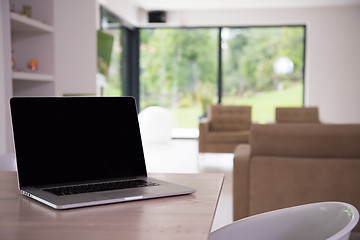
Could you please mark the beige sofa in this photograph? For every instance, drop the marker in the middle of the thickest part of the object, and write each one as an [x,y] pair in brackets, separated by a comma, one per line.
[293,164]
[224,128]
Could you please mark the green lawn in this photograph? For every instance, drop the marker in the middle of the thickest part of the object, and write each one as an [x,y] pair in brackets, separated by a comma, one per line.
[263,106]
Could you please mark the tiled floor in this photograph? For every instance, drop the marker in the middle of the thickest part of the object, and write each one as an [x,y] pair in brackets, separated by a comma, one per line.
[181,156]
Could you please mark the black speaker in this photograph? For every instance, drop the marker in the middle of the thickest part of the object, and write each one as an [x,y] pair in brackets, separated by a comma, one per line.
[157,16]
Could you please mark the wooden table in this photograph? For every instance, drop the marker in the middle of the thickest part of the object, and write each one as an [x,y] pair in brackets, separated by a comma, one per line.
[182,217]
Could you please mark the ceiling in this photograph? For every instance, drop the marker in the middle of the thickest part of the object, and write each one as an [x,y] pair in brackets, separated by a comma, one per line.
[179,5]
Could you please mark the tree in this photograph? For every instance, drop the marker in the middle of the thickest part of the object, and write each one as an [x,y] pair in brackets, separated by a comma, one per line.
[174,62]
[252,53]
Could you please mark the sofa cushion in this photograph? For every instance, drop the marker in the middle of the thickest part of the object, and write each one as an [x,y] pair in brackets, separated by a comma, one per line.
[306,140]
[226,136]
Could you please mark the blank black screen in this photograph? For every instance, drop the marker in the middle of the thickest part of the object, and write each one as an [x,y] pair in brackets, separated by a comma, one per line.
[70,139]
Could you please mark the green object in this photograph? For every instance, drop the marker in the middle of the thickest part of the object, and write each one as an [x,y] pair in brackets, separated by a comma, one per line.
[27,11]
[104,50]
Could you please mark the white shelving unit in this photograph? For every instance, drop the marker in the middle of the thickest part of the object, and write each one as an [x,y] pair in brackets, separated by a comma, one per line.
[20,23]
[66,53]
[33,38]
[33,76]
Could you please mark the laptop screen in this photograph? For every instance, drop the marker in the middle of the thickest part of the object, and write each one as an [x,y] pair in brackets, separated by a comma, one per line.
[70,139]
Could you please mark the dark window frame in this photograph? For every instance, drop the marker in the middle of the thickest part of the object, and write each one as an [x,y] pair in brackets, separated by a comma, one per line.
[131,41]
[220,73]
[130,60]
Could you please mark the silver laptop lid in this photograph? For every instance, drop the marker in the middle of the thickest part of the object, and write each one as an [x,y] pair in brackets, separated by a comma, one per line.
[70,139]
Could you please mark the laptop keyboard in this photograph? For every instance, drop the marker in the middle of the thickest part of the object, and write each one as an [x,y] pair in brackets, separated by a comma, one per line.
[98,187]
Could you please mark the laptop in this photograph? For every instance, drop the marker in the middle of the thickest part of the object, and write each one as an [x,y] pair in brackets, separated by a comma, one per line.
[82,151]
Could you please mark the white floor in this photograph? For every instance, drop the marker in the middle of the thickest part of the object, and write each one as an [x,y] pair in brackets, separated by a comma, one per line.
[182,156]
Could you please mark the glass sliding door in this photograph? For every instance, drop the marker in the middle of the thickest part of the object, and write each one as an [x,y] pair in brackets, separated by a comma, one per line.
[110,43]
[263,67]
[259,66]
[178,71]
[113,84]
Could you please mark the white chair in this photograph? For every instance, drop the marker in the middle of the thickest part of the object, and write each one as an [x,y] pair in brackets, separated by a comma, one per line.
[317,221]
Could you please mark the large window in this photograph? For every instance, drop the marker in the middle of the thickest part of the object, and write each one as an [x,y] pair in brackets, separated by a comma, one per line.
[186,69]
[178,71]
[263,67]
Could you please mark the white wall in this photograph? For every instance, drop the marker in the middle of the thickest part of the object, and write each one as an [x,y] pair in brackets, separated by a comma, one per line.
[334,64]
[333,50]
[75,46]
[6,144]
[2,86]
[124,8]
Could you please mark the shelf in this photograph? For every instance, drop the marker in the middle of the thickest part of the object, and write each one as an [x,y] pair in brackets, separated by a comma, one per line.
[20,23]
[33,76]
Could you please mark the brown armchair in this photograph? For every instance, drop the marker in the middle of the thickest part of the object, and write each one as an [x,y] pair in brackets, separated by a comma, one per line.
[224,129]
[297,115]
